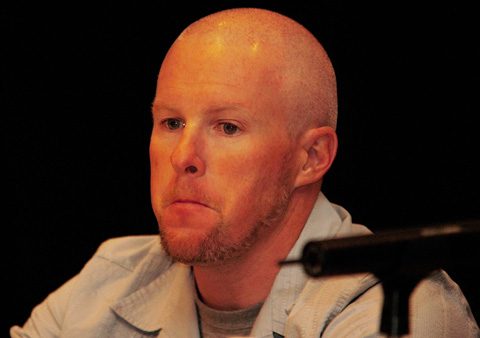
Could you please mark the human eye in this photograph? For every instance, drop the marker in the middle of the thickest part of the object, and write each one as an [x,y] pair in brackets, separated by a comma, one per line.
[172,123]
[229,128]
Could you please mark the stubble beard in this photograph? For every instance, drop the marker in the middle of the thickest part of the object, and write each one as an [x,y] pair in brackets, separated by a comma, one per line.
[217,245]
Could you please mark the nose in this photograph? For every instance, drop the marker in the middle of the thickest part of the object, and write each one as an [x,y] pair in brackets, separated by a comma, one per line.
[186,158]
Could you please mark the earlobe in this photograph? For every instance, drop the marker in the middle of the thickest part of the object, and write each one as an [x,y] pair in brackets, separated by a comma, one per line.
[319,150]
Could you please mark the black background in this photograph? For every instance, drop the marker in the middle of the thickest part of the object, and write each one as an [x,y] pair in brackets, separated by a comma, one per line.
[78,81]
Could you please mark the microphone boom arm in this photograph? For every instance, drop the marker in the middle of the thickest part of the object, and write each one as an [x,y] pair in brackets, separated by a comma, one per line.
[399,259]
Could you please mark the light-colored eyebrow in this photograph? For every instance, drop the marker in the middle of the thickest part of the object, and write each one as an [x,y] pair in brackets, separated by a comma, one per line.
[214,108]
[222,108]
[161,106]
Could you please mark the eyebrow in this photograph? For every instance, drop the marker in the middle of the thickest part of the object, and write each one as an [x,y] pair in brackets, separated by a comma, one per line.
[214,108]
[161,106]
[222,108]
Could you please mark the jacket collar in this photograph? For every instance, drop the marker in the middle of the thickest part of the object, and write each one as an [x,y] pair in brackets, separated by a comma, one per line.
[325,221]
[166,304]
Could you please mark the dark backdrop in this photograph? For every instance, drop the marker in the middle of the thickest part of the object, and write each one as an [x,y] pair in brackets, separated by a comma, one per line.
[77,83]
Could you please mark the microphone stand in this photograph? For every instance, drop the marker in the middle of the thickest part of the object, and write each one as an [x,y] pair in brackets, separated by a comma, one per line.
[399,259]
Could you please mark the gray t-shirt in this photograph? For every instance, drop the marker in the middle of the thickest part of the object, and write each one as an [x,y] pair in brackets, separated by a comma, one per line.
[220,324]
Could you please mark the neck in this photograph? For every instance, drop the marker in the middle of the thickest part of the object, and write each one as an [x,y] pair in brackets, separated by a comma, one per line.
[246,281]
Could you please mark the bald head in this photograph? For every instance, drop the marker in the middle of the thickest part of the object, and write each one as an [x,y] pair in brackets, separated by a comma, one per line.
[243,112]
[287,56]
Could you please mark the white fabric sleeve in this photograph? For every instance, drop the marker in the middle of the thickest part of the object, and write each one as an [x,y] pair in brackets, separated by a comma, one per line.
[46,318]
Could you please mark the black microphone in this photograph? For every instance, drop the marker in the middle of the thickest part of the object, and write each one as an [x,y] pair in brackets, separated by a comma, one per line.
[412,251]
[400,259]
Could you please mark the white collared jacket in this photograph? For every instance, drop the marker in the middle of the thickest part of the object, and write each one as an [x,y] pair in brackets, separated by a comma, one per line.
[130,288]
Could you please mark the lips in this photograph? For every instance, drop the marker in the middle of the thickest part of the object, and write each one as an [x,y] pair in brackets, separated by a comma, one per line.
[187,197]
[189,201]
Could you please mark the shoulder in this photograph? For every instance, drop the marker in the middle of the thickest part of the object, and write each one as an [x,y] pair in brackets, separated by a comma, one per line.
[120,266]
[129,252]
[437,308]
[125,260]
[438,305]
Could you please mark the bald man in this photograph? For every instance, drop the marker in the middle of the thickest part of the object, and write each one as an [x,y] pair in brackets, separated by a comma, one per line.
[244,131]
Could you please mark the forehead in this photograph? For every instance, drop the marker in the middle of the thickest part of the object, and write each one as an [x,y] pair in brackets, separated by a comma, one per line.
[195,96]
[200,73]
[210,57]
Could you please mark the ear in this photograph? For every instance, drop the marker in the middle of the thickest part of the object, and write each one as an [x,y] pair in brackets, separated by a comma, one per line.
[319,150]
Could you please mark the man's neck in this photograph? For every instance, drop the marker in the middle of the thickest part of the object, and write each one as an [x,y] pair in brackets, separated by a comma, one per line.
[236,286]
[246,281]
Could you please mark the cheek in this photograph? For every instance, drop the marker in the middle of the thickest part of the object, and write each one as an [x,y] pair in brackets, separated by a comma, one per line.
[159,156]
[244,171]
[159,160]
[154,164]
[252,179]
[263,165]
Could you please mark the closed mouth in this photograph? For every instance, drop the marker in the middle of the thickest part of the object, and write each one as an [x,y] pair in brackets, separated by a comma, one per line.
[190,202]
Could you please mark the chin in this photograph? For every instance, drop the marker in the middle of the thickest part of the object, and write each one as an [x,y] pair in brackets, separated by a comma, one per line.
[199,248]
[182,245]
